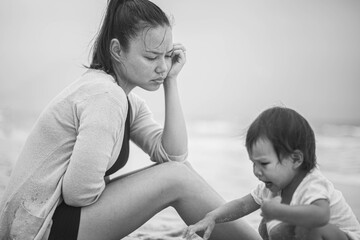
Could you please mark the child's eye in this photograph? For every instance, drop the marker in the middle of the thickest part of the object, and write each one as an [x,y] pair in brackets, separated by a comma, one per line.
[168,56]
[264,163]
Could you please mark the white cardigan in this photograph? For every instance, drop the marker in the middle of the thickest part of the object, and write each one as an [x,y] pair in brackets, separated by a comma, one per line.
[76,139]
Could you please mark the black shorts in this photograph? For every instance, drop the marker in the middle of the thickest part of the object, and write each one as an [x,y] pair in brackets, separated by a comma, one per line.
[66,221]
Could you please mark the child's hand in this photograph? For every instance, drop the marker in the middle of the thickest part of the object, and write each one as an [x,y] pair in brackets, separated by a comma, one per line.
[269,206]
[207,224]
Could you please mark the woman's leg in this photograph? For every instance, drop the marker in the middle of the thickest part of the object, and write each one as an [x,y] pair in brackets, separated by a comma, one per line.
[129,202]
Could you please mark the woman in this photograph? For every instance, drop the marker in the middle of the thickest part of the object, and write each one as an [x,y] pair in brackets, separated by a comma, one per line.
[60,187]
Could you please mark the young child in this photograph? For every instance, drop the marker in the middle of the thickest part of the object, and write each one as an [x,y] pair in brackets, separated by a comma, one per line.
[296,200]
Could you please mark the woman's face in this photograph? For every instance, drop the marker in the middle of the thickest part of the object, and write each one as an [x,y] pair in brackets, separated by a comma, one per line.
[148,60]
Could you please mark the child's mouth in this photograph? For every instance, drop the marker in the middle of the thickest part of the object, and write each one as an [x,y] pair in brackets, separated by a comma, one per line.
[268,184]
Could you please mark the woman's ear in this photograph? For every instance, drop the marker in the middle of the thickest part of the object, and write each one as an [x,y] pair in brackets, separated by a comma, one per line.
[298,158]
[115,49]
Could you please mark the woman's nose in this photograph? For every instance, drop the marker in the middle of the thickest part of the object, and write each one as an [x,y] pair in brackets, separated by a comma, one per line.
[162,66]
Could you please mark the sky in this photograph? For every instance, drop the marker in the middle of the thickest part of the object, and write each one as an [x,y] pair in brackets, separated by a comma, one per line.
[243,56]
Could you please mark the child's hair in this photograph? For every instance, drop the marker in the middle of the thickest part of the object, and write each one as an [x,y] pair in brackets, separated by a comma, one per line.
[287,131]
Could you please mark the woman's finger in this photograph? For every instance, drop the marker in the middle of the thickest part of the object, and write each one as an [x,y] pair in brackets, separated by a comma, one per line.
[178,55]
[179,46]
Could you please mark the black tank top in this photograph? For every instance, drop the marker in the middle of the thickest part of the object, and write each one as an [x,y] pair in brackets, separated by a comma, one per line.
[124,152]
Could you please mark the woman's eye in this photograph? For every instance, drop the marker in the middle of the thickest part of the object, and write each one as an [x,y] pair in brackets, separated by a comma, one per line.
[151,58]
[167,56]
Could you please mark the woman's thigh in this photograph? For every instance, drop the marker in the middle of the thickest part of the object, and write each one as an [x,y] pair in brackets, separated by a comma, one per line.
[128,202]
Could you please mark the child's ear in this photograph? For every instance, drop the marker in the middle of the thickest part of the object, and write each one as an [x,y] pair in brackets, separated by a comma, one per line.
[298,158]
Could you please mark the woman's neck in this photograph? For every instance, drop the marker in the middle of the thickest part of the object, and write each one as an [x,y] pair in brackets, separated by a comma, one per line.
[123,83]
[121,80]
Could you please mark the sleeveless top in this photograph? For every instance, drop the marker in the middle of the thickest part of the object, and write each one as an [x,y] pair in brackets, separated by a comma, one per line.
[66,219]
[124,152]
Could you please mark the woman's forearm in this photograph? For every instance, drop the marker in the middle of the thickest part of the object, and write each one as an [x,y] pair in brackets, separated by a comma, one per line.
[174,139]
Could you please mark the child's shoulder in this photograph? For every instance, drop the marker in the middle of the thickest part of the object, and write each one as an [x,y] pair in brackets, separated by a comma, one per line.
[315,176]
[313,187]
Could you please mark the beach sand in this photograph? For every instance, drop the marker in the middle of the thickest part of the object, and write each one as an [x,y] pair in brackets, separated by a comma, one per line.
[218,154]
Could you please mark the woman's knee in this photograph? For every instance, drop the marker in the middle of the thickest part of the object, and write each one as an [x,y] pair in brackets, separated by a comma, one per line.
[176,169]
[180,179]
[177,172]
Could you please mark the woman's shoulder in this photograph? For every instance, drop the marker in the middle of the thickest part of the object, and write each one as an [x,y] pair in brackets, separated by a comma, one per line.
[135,99]
[93,83]
[99,81]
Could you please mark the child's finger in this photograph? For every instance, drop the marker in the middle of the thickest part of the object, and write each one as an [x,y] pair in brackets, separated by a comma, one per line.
[185,233]
[207,234]
[188,233]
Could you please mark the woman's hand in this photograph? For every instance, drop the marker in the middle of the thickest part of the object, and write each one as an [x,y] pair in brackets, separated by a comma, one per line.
[178,59]
[207,224]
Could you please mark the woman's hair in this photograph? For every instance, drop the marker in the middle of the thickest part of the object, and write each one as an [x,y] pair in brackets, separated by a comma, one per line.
[287,131]
[123,21]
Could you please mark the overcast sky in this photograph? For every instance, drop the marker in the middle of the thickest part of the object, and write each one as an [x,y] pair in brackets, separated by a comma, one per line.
[243,55]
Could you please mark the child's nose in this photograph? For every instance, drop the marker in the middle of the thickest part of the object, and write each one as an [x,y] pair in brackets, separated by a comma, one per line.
[257,171]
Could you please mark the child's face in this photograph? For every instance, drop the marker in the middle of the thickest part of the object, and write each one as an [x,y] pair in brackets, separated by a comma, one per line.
[267,168]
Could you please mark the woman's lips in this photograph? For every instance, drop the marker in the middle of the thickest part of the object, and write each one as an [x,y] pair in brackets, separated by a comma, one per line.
[159,80]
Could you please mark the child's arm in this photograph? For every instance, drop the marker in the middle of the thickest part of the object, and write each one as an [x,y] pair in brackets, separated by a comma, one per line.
[309,216]
[225,213]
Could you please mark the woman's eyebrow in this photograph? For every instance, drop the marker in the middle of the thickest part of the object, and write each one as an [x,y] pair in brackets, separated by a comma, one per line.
[159,53]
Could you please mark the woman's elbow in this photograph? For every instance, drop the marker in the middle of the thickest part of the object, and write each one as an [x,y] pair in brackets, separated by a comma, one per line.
[78,198]
[77,201]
